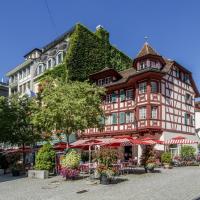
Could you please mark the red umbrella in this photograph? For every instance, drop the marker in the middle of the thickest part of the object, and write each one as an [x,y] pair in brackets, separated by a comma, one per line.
[151,141]
[60,146]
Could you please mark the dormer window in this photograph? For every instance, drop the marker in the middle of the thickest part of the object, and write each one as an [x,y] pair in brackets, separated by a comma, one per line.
[148,64]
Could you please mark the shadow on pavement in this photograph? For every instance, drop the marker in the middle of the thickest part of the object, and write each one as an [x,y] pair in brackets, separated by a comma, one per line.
[9,177]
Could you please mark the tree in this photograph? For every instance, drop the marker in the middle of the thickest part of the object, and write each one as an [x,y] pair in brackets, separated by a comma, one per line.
[68,107]
[15,122]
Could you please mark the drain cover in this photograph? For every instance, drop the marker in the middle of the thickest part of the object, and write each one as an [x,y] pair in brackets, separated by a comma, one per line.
[81,191]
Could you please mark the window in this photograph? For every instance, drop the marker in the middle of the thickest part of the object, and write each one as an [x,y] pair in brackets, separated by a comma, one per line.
[107,80]
[101,82]
[122,117]
[59,58]
[142,87]
[108,120]
[108,98]
[122,95]
[102,120]
[142,113]
[24,73]
[20,89]
[186,78]
[188,99]
[114,118]
[20,75]
[188,119]
[49,63]
[129,94]
[39,69]
[129,117]
[28,71]
[154,87]
[154,112]
[177,73]
[114,99]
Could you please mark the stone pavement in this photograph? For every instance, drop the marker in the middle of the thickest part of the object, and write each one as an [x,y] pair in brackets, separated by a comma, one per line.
[176,184]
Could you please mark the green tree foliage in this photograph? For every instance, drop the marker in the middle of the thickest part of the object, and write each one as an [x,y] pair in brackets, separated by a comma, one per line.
[68,107]
[45,158]
[15,121]
[187,152]
[90,52]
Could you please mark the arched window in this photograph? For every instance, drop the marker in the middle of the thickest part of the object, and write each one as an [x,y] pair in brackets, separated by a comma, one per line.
[39,69]
[154,87]
[49,63]
[59,58]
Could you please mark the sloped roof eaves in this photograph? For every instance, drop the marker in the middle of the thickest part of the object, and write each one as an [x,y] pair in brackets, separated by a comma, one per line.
[59,39]
[125,79]
[22,65]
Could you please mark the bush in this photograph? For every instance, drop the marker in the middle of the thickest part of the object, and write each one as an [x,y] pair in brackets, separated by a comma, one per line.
[187,152]
[45,158]
[166,158]
[71,159]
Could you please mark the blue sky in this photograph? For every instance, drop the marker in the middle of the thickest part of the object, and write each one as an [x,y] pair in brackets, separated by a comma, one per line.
[173,27]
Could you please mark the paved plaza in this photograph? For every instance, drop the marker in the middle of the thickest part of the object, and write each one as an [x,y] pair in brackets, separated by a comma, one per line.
[176,184]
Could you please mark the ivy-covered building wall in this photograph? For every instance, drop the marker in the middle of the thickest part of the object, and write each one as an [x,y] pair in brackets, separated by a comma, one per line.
[89,52]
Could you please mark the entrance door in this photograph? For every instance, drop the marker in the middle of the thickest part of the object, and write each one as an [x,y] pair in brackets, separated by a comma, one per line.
[127,152]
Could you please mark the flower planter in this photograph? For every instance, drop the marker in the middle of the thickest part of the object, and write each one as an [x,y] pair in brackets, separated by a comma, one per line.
[167,166]
[104,179]
[40,174]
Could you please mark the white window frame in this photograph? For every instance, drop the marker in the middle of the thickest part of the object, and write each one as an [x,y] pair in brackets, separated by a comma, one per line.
[142,87]
[142,112]
[50,59]
[129,94]
[154,112]
[57,57]
[108,120]
[108,98]
[129,117]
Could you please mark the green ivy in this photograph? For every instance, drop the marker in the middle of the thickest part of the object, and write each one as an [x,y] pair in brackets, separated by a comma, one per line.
[90,52]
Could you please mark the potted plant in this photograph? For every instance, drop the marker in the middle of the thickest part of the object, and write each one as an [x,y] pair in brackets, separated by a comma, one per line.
[151,164]
[148,159]
[70,165]
[166,160]
[45,162]
[105,159]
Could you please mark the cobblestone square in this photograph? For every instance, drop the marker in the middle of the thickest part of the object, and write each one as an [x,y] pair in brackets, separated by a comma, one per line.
[176,184]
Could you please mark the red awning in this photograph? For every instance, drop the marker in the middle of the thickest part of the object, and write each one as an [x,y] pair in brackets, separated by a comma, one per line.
[180,140]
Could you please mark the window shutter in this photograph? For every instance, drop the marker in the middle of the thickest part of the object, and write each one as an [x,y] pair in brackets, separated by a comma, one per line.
[113,97]
[122,95]
[114,118]
[122,118]
[185,118]
[191,120]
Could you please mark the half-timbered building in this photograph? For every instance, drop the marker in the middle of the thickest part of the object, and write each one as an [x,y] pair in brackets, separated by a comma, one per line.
[155,97]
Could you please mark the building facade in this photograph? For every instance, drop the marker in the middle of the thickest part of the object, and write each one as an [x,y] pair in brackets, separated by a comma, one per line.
[153,98]
[3,89]
[24,77]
